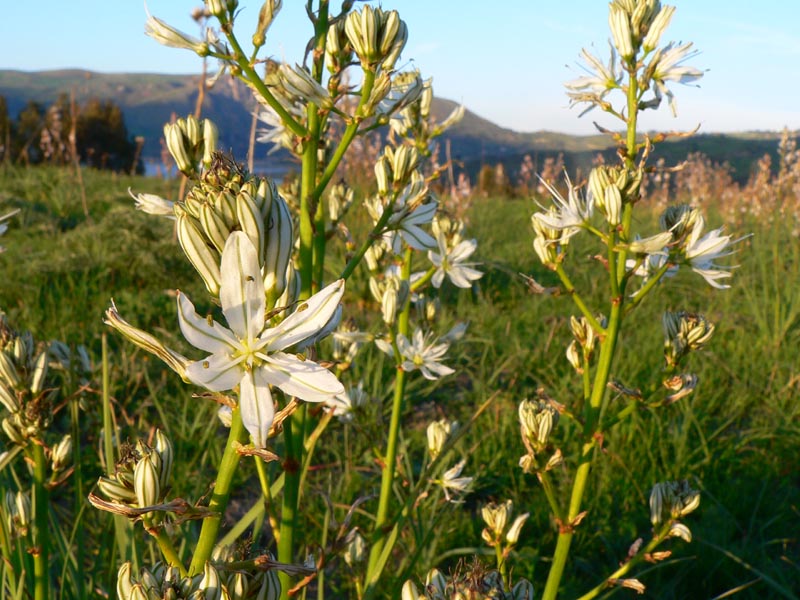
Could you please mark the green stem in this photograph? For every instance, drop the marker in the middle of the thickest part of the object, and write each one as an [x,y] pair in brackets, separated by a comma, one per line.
[293,436]
[305,258]
[547,486]
[389,461]
[626,568]
[576,297]
[167,549]
[593,410]
[221,495]
[40,548]
[365,245]
[249,74]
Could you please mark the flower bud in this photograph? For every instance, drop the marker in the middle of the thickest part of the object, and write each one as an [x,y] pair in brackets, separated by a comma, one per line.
[496,516]
[8,372]
[8,398]
[620,26]
[355,551]
[266,15]
[218,8]
[62,453]
[657,27]
[522,590]
[204,259]
[169,36]
[279,245]
[437,434]
[115,490]
[146,484]
[210,138]
[124,581]
[410,592]
[512,536]
[537,419]
[251,222]
[382,174]
[177,144]
[681,531]
[166,453]
[213,226]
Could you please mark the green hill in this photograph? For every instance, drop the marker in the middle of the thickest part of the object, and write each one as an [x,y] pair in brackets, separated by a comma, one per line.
[149,100]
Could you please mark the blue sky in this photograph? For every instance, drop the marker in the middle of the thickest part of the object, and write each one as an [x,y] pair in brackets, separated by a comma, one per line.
[504,59]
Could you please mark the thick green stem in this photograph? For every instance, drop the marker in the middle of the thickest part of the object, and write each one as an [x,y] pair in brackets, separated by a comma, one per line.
[221,495]
[305,257]
[293,436]
[40,548]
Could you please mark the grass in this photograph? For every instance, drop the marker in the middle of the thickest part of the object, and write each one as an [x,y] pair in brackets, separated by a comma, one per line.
[736,438]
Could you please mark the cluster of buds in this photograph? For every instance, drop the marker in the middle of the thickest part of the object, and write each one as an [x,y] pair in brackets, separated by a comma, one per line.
[465,584]
[496,532]
[581,348]
[680,220]
[391,292]
[243,583]
[141,478]
[537,419]
[549,242]
[611,188]
[191,143]
[226,199]
[671,500]
[412,118]
[438,433]
[17,513]
[23,391]
[684,332]
[164,582]
[376,36]
[395,168]
[637,24]
[636,29]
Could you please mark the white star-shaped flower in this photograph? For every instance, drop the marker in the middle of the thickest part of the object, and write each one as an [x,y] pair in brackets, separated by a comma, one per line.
[419,353]
[451,262]
[701,252]
[250,355]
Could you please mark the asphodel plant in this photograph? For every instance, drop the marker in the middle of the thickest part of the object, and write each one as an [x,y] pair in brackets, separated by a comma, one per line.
[632,263]
[261,253]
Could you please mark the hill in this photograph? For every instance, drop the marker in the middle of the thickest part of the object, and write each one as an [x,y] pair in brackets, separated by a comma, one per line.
[149,100]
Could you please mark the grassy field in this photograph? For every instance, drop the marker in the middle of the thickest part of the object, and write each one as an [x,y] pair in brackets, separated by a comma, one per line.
[737,438]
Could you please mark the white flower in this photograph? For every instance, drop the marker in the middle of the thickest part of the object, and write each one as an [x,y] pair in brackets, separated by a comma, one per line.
[450,262]
[419,354]
[250,355]
[275,133]
[153,205]
[453,484]
[668,67]
[701,252]
[593,88]
[345,403]
[571,214]
[169,36]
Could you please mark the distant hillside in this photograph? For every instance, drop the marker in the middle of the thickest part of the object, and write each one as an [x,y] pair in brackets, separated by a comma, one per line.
[149,100]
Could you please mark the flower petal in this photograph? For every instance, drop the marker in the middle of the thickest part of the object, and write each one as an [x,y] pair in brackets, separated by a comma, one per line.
[304,379]
[256,406]
[200,332]
[242,287]
[218,372]
[307,320]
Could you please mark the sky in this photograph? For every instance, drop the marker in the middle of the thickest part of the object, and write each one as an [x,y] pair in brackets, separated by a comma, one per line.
[505,60]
